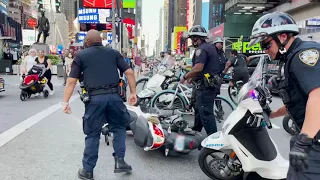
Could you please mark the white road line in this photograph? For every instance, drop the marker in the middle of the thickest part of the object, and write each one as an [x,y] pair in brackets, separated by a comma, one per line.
[15,131]
[275,126]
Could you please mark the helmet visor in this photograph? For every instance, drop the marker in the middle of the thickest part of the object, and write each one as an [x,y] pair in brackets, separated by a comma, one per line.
[257,38]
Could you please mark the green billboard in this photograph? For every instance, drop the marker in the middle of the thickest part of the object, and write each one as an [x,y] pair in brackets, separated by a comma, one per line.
[242,46]
[129,3]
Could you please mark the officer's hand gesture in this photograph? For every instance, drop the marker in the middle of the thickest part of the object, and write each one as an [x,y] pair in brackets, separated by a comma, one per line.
[132,99]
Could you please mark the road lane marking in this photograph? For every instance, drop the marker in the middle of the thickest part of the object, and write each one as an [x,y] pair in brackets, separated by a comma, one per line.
[275,126]
[16,130]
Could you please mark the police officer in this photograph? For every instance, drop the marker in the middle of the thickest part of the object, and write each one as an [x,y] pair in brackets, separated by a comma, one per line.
[204,61]
[218,44]
[101,80]
[300,89]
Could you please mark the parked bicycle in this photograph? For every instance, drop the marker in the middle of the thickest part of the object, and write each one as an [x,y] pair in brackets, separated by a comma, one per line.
[180,100]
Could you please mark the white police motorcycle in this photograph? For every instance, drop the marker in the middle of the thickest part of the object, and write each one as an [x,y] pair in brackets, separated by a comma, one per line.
[243,148]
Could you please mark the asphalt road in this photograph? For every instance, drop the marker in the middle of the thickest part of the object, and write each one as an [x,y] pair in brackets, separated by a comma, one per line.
[51,143]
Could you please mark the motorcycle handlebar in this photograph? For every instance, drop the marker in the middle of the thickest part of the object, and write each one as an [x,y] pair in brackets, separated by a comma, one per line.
[267,120]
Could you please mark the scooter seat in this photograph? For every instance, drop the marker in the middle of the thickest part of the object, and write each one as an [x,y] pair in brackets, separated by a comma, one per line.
[133,116]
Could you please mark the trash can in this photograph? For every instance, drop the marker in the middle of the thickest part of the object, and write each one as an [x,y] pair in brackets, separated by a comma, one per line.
[6,66]
[60,70]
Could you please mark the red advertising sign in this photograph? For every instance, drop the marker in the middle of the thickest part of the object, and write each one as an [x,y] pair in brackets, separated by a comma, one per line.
[187,14]
[105,4]
[179,35]
[32,22]
[216,32]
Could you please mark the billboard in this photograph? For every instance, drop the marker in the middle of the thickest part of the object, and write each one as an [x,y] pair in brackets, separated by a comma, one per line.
[98,16]
[107,4]
[28,37]
[176,34]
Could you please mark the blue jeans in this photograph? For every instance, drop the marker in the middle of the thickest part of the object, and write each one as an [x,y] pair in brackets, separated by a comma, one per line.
[102,108]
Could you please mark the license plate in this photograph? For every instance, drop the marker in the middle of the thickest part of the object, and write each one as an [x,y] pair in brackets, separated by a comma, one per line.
[179,143]
[1,85]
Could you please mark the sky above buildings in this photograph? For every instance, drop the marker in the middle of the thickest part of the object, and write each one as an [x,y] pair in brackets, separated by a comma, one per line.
[150,21]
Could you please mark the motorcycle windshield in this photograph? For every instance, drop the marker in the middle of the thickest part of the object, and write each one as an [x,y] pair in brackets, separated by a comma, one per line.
[248,89]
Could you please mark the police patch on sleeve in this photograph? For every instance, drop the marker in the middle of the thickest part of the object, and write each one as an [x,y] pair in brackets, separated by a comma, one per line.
[309,57]
[198,52]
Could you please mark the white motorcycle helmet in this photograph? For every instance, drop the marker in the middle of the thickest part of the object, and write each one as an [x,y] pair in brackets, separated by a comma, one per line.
[157,134]
[217,40]
[273,24]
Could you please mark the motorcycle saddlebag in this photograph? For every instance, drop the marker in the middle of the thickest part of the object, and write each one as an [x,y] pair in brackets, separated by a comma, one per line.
[141,132]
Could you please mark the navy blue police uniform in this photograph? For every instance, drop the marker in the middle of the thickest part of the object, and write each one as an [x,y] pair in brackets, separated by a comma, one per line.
[223,60]
[302,72]
[205,54]
[99,67]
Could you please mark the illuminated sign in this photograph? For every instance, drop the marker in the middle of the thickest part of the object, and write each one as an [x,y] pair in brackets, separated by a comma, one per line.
[93,15]
[242,47]
[107,4]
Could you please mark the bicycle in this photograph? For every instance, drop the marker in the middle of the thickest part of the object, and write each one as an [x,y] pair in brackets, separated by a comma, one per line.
[233,91]
[184,97]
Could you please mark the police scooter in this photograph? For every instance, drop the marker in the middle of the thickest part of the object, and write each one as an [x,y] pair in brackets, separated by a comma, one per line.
[164,131]
[247,150]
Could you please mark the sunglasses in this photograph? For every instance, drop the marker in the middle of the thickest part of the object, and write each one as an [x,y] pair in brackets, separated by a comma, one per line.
[266,45]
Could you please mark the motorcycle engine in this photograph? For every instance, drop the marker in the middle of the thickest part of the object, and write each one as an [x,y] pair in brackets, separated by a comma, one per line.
[178,123]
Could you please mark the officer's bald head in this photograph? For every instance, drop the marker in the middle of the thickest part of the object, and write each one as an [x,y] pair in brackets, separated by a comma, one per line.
[93,36]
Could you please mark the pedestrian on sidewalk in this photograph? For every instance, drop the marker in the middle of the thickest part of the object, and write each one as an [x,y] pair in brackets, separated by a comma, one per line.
[28,61]
[42,59]
[101,80]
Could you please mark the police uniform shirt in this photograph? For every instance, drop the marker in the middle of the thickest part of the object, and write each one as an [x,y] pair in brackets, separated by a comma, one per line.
[206,54]
[222,59]
[305,65]
[99,66]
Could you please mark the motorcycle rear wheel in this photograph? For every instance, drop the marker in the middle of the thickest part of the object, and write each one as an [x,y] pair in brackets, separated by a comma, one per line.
[205,167]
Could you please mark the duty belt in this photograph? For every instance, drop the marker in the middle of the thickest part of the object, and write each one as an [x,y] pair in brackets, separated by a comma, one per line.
[96,92]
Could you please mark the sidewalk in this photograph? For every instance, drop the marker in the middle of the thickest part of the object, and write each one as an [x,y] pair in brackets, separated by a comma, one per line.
[52,150]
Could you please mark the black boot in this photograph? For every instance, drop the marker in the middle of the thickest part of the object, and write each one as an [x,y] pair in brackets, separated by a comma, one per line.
[121,166]
[84,175]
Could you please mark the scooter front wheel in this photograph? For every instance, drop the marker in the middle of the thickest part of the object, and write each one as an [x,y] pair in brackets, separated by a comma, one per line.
[213,167]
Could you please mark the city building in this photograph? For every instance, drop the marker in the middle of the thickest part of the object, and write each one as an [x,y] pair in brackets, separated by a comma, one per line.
[165,25]
[14,10]
[160,39]
[67,8]
[180,12]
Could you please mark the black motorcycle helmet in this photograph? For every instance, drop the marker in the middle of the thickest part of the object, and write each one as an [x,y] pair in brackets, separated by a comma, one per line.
[197,32]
